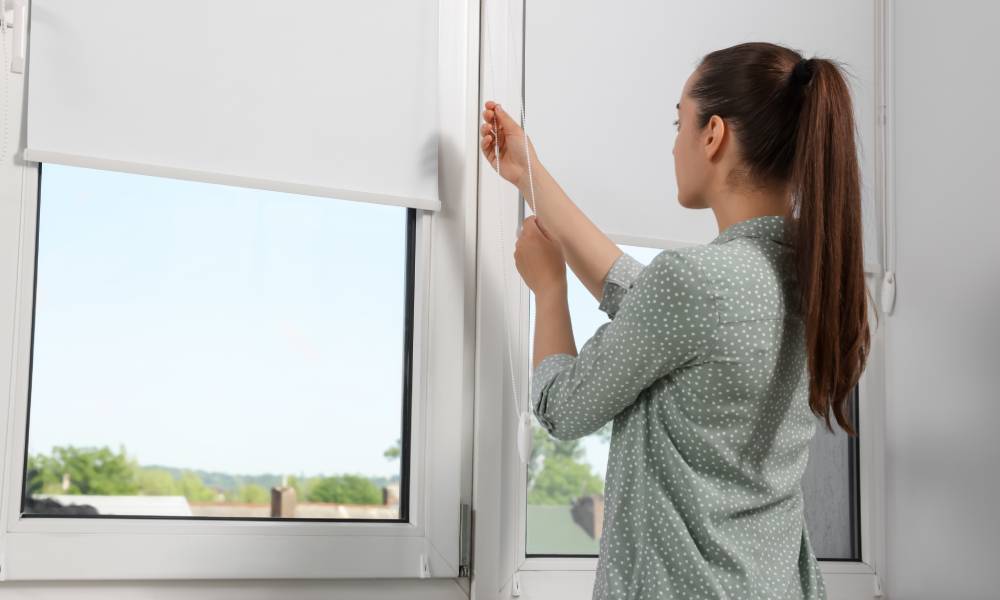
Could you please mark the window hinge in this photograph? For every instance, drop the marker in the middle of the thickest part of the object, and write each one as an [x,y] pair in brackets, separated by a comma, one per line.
[465,540]
[877,592]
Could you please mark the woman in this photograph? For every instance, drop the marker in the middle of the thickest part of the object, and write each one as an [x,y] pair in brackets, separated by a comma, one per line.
[718,358]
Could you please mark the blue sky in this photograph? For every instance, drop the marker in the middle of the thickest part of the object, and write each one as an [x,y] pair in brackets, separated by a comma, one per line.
[223,328]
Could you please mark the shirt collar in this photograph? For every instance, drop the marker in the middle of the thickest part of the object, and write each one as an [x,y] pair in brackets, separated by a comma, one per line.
[770,227]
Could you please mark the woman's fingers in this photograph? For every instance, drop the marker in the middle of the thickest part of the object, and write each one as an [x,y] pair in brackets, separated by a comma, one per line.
[490,141]
[487,147]
[486,129]
[487,133]
[489,127]
[492,130]
[495,113]
[494,108]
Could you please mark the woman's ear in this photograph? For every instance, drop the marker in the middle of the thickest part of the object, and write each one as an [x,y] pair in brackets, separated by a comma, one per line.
[715,132]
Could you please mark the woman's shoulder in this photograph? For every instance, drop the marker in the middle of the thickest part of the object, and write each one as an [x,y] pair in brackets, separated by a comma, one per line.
[678,269]
[711,269]
[684,260]
[711,260]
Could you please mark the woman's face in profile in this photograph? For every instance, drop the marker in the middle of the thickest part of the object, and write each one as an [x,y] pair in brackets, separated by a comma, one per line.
[691,167]
[685,171]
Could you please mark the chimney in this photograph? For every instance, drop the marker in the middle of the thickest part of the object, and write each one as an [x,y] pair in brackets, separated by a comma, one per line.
[282,501]
[390,494]
[588,513]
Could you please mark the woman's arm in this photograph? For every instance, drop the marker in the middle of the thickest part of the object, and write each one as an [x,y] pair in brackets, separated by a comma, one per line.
[588,251]
[553,327]
[662,326]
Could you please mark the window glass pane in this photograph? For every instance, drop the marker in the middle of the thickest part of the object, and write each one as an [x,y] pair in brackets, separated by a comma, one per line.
[830,491]
[207,351]
[566,478]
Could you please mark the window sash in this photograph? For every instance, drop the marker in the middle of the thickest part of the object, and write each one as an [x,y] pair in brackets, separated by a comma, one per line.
[501,483]
[443,363]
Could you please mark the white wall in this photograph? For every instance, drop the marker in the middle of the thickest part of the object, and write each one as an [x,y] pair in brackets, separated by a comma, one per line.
[943,342]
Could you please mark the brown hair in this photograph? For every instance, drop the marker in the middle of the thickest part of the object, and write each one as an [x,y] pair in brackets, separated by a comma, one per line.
[796,126]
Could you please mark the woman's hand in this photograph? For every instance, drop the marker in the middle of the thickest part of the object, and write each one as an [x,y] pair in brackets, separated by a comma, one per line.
[539,259]
[499,128]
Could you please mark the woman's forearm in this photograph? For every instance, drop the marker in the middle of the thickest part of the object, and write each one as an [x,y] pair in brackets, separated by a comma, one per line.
[589,253]
[553,327]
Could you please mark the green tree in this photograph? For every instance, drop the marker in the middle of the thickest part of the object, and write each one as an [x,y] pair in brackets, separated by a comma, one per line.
[194,489]
[544,445]
[253,494]
[563,480]
[541,445]
[557,472]
[394,451]
[156,482]
[91,470]
[345,489]
[44,475]
[300,486]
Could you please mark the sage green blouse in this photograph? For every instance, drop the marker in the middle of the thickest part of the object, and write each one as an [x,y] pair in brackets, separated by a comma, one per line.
[703,369]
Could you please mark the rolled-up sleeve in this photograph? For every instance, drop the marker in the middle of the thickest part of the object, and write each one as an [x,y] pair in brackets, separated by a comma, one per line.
[618,281]
[658,324]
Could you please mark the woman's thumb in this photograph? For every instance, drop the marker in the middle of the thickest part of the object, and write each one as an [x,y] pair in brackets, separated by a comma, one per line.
[506,121]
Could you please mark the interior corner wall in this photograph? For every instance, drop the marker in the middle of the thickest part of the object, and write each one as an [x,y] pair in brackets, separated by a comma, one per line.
[943,340]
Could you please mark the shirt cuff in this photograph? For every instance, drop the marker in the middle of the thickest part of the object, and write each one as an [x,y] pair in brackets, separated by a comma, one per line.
[622,274]
[541,380]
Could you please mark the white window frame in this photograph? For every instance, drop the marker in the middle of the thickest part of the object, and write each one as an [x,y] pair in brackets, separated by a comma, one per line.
[499,478]
[428,546]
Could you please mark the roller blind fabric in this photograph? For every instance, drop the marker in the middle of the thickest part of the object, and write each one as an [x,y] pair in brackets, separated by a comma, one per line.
[335,99]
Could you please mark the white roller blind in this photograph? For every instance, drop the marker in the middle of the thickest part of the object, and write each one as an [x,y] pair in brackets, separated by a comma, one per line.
[602,82]
[333,99]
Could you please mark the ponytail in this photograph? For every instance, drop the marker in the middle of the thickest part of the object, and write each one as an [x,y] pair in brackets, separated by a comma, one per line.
[826,187]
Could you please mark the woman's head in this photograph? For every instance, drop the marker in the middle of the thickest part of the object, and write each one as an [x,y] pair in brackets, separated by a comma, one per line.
[737,121]
[759,116]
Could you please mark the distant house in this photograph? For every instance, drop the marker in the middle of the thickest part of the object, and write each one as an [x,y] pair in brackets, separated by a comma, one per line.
[174,506]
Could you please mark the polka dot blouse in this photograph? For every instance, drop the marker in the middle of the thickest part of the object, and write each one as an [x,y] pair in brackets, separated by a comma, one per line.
[702,368]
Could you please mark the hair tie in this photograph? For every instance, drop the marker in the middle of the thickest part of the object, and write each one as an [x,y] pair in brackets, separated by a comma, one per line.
[802,72]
